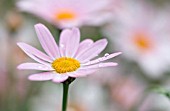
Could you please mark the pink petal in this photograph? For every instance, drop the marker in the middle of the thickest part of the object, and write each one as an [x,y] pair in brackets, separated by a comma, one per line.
[100,65]
[45,76]
[44,10]
[47,41]
[35,66]
[93,51]
[100,18]
[84,45]
[95,6]
[64,37]
[106,57]
[33,51]
[73,42]
[58,78]
[82,72]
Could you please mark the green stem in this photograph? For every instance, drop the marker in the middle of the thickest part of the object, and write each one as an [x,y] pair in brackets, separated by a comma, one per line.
[65,95]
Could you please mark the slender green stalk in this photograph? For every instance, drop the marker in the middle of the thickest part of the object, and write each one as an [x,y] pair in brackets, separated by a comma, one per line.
[65,95]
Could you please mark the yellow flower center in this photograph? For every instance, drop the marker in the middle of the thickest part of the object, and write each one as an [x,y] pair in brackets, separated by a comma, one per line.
[65,15]
[142,41]
[65,64]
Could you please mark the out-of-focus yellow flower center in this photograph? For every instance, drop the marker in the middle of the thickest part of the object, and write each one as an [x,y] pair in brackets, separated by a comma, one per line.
[142,41]
[65,15]
[65,64]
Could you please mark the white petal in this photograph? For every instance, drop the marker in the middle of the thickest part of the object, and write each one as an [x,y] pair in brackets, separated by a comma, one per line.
[33,51]
[101,59]
[64,37]
[82,72]
[37,56]
[47,41]
[100,65]
[45,76]
[93,51]
[58,78]
[73,42]
[84,45]
[35,66]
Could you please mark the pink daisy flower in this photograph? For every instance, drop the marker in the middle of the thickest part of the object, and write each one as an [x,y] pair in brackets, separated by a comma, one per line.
[143,35]
[68,13]
[70,59]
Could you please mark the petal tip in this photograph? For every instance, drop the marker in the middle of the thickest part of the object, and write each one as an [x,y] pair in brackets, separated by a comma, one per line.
[104,40]
[118,53]
[75,28]
[19,67]
[115,64]
[30,78]
[39,25]
[19,43]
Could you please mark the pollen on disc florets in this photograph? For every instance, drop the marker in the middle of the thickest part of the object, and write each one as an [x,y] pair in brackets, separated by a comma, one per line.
[65,64]
[65,15]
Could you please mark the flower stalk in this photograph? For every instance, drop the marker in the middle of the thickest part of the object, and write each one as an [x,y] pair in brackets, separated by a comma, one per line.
[65,96]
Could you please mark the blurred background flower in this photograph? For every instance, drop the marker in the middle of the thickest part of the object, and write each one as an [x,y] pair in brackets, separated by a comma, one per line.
[138,28]
[142,33]
[64,13]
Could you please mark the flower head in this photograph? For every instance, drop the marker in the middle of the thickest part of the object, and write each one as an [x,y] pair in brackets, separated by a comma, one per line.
[143,36]
[70,59]
[68,13]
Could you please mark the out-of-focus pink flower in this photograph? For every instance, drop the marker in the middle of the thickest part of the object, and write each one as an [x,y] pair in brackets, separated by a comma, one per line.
[70,59]
[68,13]
[143,34]
[127,92]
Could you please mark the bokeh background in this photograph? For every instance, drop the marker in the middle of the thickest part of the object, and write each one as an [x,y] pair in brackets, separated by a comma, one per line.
[138,28]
